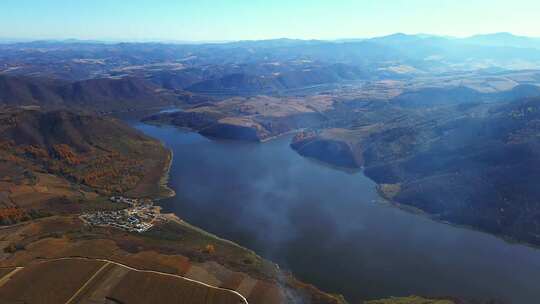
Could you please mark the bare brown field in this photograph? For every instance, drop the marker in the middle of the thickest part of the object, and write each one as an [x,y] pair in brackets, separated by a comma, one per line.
[234,281]
[48,282]
[201,274]
[4,271]
[153,288]
[246,286]
[218,271]
[55,237]
[54,224]
[174,264]
[266,293]
[30,199]
[99,289]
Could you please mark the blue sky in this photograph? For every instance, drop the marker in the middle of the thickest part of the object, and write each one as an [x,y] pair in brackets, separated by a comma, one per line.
[203,20]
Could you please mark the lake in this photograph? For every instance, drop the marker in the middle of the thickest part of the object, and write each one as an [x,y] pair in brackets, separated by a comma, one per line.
[330,228]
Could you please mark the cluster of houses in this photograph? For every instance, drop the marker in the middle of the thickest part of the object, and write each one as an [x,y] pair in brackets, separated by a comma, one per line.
[126,200]
[140,216]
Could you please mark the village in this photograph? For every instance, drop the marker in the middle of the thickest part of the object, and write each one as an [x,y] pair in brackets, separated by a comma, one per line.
[140,216]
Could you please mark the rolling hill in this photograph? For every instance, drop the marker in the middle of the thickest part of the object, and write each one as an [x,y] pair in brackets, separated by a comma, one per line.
[472,164]
[59,155]
[100,94]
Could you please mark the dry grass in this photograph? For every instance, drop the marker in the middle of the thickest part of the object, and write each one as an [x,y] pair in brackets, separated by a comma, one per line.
[144,288]
[48,282]
[66,236]
[5,271]
[269,106]
[265,293]
[174,264]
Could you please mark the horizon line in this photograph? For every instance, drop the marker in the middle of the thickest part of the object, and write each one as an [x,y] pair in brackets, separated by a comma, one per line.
[217,41]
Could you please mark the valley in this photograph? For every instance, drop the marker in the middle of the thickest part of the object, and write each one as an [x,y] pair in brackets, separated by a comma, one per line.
[283,205]
[59,174]
[299,150]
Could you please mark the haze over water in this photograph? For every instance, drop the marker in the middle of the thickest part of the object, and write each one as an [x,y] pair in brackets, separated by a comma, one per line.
[330,228]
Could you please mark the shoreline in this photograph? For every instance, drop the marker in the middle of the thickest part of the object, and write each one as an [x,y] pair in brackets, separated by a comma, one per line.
[419,212]
[172,217]
[164,179]
[176,219]
[395,204]
[381,200]
[187,129]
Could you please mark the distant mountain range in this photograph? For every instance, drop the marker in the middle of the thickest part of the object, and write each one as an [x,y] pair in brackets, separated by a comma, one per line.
[490,39]
[423,51]
[495,39]
[133,75]
[505,40]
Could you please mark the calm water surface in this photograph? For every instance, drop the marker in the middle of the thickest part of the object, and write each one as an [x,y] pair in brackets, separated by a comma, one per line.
[329,227]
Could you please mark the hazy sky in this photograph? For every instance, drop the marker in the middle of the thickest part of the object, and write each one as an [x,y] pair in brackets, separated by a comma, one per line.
[257,19]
